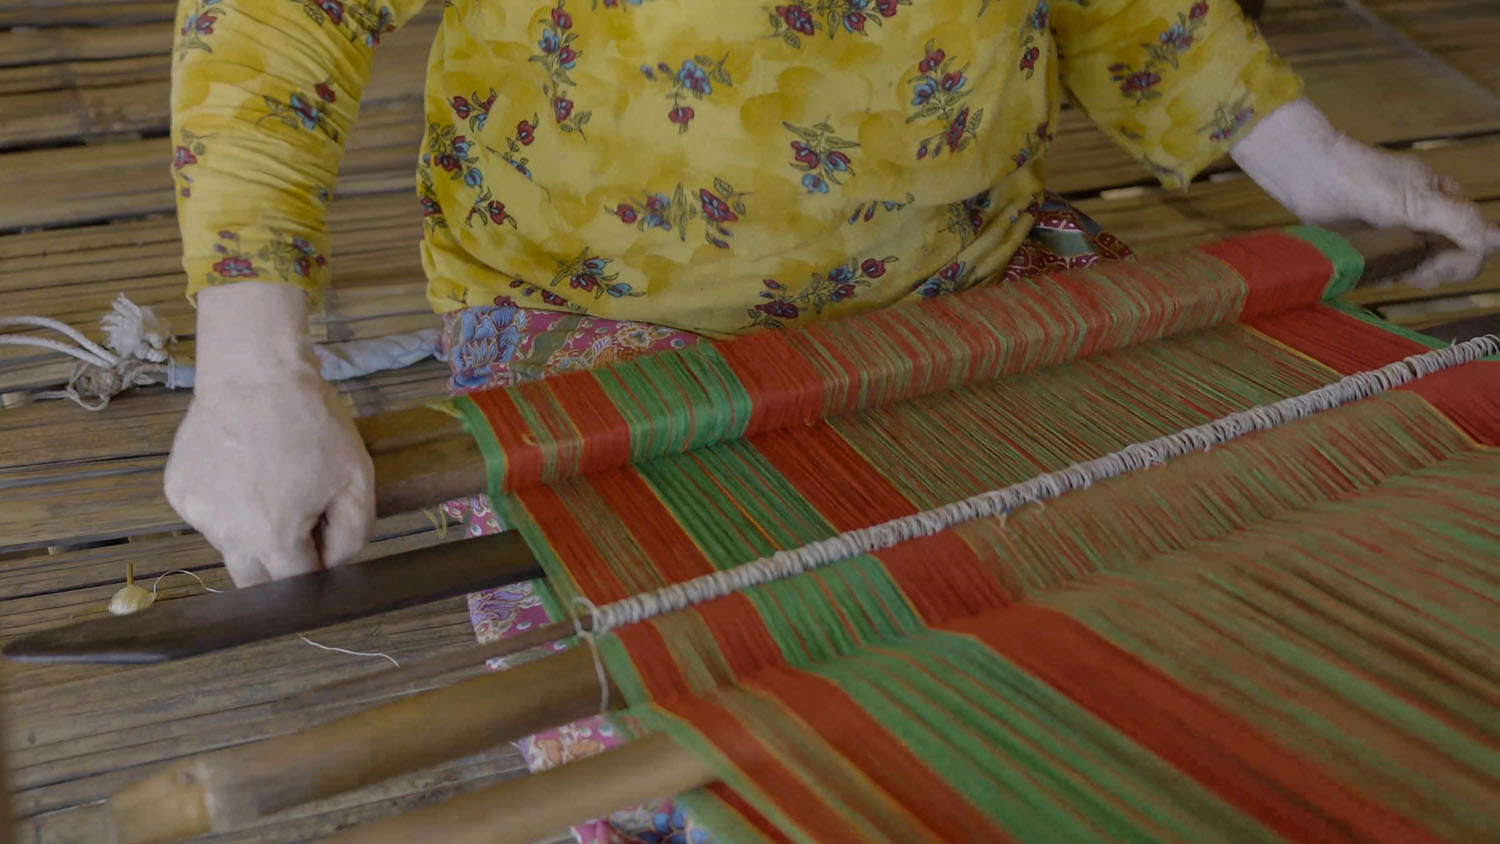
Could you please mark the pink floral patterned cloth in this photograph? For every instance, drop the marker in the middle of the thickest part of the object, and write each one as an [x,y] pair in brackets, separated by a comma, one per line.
[505,343]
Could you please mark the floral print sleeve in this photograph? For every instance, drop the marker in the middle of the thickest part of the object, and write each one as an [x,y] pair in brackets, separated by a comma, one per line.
[1174,82]
[263,94]
[716,167]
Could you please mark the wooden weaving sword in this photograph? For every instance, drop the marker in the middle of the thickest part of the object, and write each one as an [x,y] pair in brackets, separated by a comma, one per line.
[201,624]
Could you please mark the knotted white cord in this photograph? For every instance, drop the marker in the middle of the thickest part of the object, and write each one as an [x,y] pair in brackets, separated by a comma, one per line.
[137,356]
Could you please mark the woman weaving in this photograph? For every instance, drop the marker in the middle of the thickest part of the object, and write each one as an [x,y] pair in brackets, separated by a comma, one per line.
[602,179]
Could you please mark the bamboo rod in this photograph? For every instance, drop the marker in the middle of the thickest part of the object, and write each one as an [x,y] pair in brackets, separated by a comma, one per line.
[526,809]
[230,788]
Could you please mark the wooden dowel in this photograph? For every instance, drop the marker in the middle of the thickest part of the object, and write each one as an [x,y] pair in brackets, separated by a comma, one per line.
[230,788]
[422,458]
[1388,253]
[428,474]
[528,808]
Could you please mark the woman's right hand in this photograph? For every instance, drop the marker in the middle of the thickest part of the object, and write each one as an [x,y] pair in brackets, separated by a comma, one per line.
[267,464]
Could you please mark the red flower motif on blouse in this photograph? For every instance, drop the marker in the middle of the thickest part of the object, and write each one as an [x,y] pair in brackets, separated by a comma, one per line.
[235,268]
[715,208]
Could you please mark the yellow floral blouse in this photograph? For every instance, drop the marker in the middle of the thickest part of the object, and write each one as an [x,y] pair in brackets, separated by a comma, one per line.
[712,165]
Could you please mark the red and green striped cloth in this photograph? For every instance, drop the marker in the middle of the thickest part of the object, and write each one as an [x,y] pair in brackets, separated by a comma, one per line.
[1289,637]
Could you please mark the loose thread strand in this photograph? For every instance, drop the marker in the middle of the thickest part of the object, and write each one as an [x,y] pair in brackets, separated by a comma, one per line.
[349,652]
[587,637]
[157,582]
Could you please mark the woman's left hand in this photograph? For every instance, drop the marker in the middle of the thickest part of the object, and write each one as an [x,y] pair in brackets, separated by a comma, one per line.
[1324,176]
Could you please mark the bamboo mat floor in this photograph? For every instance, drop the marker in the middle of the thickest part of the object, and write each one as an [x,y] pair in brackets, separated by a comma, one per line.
[83,92]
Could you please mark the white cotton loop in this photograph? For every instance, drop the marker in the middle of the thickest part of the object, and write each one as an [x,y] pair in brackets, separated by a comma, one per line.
[790,562]
[86,350]
[587,637]
[50,344]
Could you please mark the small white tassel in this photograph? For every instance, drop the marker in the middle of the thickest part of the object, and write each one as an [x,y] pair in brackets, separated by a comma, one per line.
[132,331]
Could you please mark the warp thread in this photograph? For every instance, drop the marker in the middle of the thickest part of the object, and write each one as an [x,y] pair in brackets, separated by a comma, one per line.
[1132,458]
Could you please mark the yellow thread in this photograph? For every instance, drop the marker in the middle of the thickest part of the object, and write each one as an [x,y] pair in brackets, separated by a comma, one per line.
[132,598]
[440,526]
[157,582]
[446,408]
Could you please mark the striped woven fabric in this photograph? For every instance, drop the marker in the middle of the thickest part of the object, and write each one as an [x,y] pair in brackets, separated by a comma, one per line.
[1291,636]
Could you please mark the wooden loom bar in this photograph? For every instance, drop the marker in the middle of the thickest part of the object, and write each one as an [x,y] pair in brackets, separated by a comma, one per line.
[528,809]
[233,787]
[230,788]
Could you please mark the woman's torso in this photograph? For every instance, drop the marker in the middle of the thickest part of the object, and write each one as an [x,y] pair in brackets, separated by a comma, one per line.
[718,165]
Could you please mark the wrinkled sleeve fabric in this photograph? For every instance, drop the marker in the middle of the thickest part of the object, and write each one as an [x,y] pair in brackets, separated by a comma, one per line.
[264,92]
[1173,82]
